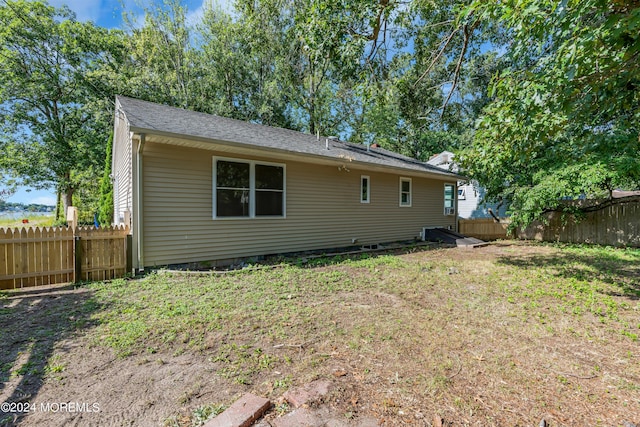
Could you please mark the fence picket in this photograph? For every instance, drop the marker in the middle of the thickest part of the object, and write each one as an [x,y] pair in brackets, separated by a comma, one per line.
[22,256]
[4,265]
[29,247]
[46,261]
[56,254]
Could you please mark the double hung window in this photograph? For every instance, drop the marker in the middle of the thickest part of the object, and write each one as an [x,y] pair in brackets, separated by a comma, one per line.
[405,192]
[245,189]
[365,190]
[449,199]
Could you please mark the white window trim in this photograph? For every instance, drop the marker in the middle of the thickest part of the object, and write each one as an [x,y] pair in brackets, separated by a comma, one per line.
[455,196]
[362,178]
[405,205]
[462,193]
[252,189]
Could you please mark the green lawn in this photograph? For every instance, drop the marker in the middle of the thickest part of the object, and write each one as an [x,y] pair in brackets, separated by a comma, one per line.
[501,335]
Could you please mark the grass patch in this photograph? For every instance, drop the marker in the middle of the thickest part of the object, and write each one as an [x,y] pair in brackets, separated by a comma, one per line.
[167,310]
[35,220]
[471,331]
[576,280]
[198,417]
[172,309]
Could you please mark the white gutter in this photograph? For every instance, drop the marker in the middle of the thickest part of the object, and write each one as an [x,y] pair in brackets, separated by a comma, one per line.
[206,144]
[139,204]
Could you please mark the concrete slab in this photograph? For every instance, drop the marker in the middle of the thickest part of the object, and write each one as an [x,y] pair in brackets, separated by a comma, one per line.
[451,237]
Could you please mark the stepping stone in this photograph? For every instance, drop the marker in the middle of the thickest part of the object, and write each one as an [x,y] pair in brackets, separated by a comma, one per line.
[242,413]
[311,392]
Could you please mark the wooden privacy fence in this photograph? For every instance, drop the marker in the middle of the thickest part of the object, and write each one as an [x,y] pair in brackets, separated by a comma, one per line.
[50,255]
[483,228]
[617,223]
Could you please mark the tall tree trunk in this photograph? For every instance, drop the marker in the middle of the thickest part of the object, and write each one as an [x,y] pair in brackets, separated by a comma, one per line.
[67,199]
[58,200]
[67,190]
[313,126]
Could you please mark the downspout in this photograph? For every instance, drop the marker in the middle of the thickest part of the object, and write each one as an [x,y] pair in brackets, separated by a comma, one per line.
[139,199]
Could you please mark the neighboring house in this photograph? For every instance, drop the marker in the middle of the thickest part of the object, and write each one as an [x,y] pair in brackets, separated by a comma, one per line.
[196,187]
[470,194]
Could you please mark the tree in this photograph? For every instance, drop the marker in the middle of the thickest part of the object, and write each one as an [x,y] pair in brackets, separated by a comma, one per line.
[7,187]
[290,63]
[105,213]
[51,133]
[160,63]
[5,193]
[239,58]
[564,121]
[300,68]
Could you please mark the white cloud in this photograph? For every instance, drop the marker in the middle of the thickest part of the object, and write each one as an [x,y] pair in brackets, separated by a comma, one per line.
[195,16]
[86,10]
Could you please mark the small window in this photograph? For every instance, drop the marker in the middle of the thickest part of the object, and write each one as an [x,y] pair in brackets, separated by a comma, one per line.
[449,199]
[462,194]
[364,189]
[405,192]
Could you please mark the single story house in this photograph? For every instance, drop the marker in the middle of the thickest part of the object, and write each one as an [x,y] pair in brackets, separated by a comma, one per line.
[196,187]
[471,203]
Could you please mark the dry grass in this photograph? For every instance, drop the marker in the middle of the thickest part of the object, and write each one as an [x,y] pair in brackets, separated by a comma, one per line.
[502,335]
[35,220]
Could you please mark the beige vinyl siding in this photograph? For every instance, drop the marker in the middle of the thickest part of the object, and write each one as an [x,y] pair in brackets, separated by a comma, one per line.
[122,169]
[323,210]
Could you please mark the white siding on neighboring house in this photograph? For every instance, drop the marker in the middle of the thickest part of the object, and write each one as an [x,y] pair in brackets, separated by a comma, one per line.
[470,194]
[470,205]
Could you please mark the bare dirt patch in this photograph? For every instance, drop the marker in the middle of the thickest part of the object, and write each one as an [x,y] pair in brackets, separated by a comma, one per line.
[506,334]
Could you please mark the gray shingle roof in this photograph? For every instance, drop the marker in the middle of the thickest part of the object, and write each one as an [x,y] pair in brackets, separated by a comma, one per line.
[148,117]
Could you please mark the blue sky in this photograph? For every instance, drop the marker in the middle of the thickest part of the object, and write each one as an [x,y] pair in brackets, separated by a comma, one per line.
[106,13]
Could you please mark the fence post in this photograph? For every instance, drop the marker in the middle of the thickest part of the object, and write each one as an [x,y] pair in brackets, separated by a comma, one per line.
[129,254]
[77,250]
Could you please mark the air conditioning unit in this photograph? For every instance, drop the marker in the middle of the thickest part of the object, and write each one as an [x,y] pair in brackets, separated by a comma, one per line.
[449,211]
[423,234]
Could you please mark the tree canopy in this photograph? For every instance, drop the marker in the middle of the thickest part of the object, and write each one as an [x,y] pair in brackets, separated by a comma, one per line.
[564,121]
[50,128]
[539,99]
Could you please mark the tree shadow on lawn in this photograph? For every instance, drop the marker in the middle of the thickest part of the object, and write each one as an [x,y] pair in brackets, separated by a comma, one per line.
[623,274]
[31,323]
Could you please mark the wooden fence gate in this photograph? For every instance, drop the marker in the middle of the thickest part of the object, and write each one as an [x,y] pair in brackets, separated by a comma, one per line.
[50,255]
[483,228]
